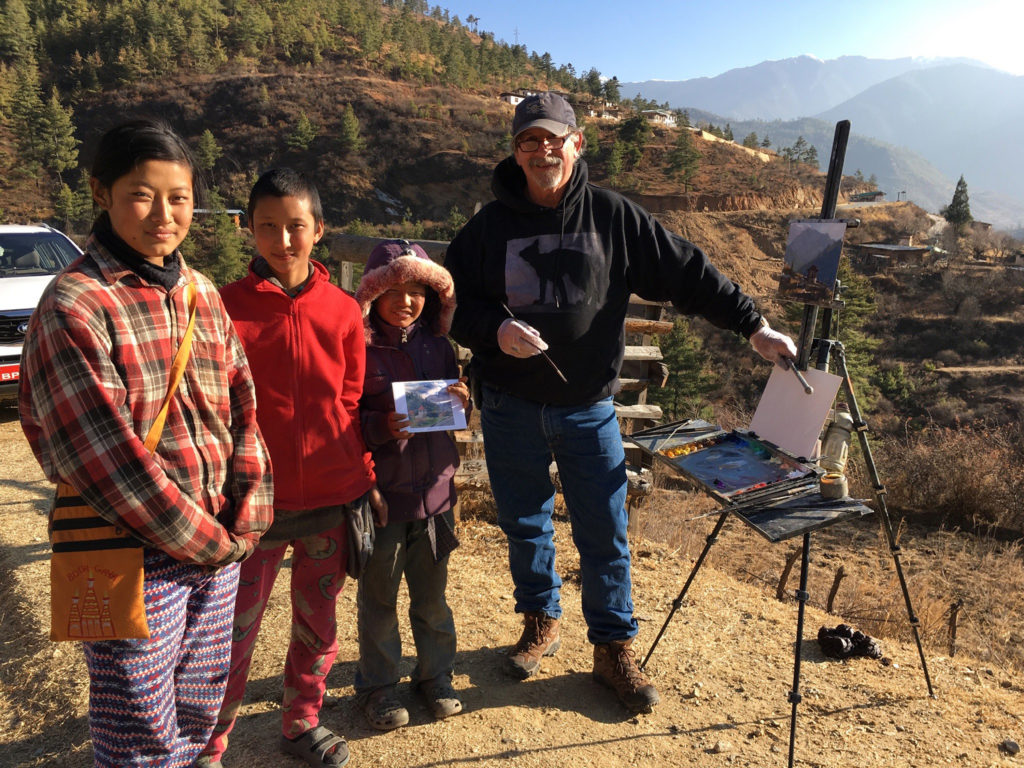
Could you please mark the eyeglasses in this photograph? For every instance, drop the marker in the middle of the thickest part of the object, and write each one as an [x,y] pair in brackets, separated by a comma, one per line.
[532,143]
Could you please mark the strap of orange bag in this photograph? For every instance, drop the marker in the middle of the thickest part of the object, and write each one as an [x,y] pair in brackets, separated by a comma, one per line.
[177,370]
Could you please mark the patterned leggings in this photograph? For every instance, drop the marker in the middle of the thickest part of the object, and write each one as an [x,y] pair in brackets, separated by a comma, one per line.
[154,702]
[317,577]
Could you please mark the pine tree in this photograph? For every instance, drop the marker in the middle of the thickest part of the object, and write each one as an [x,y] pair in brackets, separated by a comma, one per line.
[683,159]
[613,166]
[958,212]
[349,136]
[636,130]
[26,107]
[58,145]
[303,134]
[691,378]
[63,205]
[217,246]
[72,206]
[612,93]
[810,156]
[208,151]
[591,82]
[8,86]
[456,68]
[17,40]
[591,138]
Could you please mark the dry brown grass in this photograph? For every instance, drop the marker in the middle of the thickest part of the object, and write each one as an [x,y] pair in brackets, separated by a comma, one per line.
[941,567]
[963,477]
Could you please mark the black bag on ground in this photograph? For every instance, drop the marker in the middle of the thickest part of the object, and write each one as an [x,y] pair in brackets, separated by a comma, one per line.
[360,529]
[844,641]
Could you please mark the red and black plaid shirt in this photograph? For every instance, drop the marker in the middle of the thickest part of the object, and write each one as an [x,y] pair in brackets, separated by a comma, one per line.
[94,372]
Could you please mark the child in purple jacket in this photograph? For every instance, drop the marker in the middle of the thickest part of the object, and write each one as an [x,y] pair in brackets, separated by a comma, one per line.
[407,302]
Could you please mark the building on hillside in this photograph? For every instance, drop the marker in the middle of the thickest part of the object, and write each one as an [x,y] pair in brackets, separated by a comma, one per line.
[514,97]
[598,109]
[660,116]
[980,227]
[880,257]
[237,214]
[874,196]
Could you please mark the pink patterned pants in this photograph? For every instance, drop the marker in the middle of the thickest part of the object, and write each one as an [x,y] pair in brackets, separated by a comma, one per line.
[318,574]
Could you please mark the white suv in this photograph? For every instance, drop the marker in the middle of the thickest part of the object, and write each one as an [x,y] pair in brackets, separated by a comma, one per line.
[29,258]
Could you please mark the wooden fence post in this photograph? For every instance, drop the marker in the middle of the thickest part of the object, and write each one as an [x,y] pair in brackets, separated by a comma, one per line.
[954,612]
[840,573]
[780,590]
[345,274]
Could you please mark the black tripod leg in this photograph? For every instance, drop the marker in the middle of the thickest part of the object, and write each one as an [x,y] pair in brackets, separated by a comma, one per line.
[801,597]
[712,537]
[883,510]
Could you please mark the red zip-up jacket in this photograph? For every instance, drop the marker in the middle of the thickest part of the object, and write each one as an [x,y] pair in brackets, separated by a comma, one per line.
[308,358]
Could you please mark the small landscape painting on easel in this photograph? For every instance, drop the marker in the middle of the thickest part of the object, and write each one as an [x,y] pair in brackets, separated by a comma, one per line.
[812,256]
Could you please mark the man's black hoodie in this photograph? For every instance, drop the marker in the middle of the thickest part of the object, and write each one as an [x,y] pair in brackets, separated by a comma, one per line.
[569,272]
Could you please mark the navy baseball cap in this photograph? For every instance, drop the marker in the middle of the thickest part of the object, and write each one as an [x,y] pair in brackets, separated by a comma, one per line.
[544,110]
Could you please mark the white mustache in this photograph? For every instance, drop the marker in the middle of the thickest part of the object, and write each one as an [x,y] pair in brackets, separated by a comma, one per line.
[545,162]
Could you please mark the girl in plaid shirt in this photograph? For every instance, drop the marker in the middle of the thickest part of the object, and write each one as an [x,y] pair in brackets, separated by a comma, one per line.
[96,363]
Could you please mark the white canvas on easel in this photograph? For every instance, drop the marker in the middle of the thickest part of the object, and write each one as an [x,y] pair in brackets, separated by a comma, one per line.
[789,417]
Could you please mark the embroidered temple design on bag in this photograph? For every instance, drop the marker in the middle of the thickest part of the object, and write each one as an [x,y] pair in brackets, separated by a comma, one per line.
[93,618]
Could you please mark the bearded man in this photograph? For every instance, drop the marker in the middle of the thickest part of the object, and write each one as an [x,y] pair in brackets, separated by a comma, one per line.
[549,266]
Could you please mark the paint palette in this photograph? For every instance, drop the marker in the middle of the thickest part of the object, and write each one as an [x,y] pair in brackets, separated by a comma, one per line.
[726,464]
[772,491]
[732,464]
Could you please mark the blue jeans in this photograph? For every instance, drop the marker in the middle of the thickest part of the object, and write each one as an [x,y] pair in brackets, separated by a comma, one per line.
[520,440]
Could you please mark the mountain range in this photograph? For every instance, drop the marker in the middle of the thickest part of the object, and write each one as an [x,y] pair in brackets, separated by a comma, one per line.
[916,124]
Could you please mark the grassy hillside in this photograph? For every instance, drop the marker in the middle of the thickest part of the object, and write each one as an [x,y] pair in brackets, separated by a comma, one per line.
[401,137]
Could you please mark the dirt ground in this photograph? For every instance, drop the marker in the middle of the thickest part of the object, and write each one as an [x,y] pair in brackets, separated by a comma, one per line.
[724,668]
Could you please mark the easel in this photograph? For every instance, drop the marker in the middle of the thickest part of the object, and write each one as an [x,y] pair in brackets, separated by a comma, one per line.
[777,522]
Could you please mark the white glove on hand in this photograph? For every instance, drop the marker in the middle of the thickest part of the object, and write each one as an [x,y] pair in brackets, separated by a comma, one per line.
[517,339]
[773,346]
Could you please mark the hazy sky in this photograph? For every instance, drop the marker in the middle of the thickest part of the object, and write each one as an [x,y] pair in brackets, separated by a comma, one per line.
[678,39]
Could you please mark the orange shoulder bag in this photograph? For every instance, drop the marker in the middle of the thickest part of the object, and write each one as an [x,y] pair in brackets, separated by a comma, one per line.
[96,574]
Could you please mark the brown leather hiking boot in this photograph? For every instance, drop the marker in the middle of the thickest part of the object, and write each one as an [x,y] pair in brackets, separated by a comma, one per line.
[540,638]
[615,666]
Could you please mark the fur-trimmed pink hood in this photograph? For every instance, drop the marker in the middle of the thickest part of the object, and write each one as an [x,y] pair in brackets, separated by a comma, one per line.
[397,261]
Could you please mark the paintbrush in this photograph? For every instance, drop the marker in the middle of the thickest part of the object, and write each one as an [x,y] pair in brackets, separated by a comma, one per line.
[791,364]
[522,328]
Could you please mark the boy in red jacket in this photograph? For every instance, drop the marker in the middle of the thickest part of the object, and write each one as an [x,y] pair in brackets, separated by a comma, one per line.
[304,340]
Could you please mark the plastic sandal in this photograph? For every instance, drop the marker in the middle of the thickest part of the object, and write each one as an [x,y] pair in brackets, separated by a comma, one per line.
[318,747]
[441,698]
[384,711]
